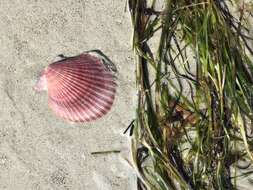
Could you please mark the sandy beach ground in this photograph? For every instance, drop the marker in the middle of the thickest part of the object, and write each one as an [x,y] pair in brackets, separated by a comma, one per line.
[39,151]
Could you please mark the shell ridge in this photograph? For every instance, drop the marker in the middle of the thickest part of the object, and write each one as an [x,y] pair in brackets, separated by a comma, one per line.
[103,87]
[65,114]
[89,89]
[104,76]
[58,92]
[87,111]
[67,107]
[85,65]
[112,81]
[93,97]
[80,114]
[81,88]
[93,109]
[91,80]
[60,76]
[71,112]
[100,109]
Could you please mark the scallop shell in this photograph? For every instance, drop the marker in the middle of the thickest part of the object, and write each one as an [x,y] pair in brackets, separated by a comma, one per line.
[79,88]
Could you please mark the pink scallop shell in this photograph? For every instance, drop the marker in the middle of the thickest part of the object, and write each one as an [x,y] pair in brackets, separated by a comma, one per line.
[79,88]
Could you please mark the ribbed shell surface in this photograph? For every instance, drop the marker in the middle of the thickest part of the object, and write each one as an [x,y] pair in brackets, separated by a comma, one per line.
[80,88]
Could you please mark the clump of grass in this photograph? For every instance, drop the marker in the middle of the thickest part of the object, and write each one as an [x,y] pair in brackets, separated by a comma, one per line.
[193,120]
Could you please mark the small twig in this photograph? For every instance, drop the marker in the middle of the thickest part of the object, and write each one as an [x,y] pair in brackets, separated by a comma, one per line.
[130,126]
[106,152]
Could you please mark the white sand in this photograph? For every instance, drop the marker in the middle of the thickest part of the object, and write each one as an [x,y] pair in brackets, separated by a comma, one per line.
[38,151]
